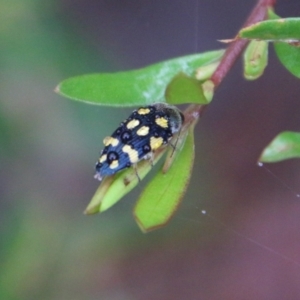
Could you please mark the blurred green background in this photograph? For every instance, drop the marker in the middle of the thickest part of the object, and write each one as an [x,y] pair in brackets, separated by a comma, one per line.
[49,144]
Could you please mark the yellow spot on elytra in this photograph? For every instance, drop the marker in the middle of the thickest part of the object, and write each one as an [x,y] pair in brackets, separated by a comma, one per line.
[133,154]
[103,158]
[155,143]
[114,164]
[162,122]
[143,111]
[144,130]
[110,141]
[133,123]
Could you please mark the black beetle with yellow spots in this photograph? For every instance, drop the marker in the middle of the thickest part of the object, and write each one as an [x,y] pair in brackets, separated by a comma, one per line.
[146,130]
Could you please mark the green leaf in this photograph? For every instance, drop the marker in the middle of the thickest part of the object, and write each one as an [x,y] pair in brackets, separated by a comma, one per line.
[284,146]
[114,188]
[278,29]
[289,56]
[137,87]
[272,15]
[184,88]
[208,90]
[255,59]
[95,204]
[205,72]
[287,53]
[162,196]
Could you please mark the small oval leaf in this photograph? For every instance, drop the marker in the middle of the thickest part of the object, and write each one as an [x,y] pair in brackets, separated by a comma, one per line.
[285,145]
[276,29]
[208,90]
[162,196]
[255,59]
[289,56]
[184,88]
[133,88]
[205,72]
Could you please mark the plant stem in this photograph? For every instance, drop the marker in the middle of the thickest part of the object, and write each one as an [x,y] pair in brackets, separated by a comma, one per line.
[258,14]
[231,54]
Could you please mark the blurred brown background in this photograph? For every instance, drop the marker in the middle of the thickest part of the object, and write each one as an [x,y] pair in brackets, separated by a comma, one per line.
[49,144]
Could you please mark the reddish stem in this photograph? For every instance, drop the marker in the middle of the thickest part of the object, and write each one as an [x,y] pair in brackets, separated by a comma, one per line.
[258,14]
